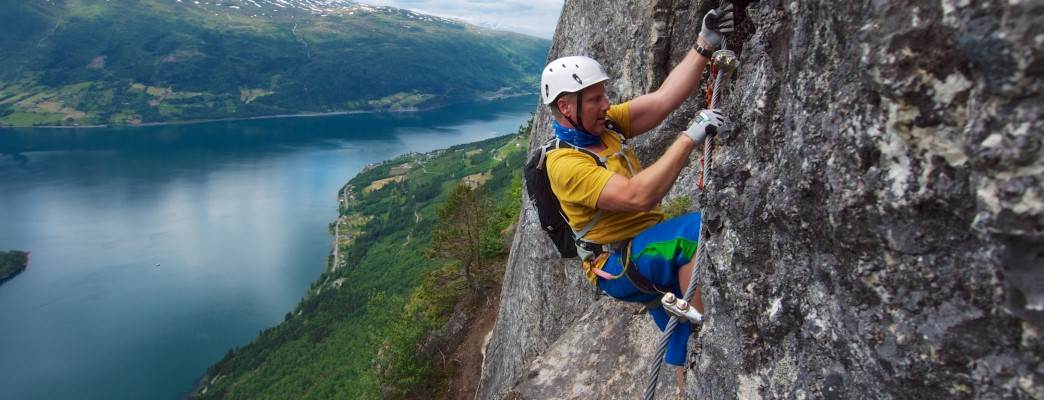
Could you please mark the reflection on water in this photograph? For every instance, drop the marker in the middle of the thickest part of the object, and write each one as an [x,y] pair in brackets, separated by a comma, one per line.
[156,249]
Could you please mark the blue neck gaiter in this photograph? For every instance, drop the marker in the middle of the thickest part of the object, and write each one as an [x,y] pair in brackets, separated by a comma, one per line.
[574,137]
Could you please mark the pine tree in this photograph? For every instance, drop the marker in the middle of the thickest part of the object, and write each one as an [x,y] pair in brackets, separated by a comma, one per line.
[457,234]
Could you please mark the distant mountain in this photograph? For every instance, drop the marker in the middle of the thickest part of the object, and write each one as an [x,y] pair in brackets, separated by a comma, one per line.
[82,62]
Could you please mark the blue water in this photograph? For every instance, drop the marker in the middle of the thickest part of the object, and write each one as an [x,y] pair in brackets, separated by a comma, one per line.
[233,213]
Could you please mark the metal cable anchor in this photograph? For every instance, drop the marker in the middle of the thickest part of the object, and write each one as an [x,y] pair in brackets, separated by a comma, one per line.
[726,60]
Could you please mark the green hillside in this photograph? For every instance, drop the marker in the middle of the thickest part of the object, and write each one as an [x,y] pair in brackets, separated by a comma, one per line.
[370,325]
[83,62]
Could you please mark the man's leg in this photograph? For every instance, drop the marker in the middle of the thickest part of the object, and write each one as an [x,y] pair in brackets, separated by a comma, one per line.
[657,253]
[684,274]
[677,345]
[679,378]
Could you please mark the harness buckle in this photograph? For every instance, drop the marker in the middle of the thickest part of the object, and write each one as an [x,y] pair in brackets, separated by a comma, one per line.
[589,250]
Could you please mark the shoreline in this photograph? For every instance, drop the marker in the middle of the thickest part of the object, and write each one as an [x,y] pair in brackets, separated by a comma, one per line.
[274,116]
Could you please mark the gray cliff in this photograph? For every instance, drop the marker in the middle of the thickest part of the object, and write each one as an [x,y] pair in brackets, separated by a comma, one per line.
[876,217]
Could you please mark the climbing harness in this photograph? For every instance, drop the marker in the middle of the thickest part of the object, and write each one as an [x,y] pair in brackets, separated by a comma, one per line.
[640,282]
[723,63]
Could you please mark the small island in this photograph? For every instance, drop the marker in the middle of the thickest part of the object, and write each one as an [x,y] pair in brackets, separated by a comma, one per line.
[12,263]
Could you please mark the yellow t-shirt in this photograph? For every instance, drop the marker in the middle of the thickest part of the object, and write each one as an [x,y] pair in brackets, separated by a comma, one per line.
[577,181]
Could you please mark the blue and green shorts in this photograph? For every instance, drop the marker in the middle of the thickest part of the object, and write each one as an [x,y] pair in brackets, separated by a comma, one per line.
[658,253]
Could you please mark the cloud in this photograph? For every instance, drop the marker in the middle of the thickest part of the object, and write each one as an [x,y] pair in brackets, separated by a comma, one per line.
[531,17]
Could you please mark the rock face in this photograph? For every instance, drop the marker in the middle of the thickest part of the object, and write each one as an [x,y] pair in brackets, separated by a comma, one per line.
[876,222]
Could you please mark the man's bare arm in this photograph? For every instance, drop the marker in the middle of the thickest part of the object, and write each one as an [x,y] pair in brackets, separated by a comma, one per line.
[649,110]
[645,190]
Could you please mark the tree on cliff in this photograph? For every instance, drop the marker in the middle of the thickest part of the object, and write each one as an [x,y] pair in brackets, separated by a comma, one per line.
[457,234]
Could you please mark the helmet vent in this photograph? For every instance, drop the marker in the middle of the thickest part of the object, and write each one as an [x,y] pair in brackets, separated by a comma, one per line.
[577,79]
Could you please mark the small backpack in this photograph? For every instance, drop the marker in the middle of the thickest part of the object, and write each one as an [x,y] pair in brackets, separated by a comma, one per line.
[538,185]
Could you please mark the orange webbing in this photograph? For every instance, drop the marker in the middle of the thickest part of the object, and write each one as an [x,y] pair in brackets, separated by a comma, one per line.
[709,146]
[710,82]
[704,160]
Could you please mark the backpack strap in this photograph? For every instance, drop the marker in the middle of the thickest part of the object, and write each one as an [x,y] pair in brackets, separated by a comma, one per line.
[584,248]
[554,144]
[623,148]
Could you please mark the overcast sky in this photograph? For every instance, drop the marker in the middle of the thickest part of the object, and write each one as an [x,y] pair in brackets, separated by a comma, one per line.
[532,17]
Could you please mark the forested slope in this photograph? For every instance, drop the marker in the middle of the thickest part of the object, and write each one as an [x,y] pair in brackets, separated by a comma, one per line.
[373,325]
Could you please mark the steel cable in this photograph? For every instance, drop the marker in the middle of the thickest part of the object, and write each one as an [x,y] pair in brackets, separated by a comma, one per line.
[657,361]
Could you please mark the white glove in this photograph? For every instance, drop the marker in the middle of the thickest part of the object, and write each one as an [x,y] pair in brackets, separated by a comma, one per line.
[706,123]
[715,23]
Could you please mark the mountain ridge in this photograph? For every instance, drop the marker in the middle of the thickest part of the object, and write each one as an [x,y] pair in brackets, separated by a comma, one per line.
[89,62]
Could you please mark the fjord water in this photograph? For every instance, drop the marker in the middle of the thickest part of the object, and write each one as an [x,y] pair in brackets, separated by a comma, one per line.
[156,249]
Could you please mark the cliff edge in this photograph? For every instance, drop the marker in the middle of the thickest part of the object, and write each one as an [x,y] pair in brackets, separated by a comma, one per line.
[876,218]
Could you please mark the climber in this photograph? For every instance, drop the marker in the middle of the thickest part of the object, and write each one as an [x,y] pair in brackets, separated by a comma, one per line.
[626,247]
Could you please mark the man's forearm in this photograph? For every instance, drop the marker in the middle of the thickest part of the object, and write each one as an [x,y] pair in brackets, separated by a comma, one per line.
[683,79]
[644,191]
[650,110]
[656,180]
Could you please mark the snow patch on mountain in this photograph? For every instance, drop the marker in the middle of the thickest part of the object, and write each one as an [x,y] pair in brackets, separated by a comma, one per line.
[268,8]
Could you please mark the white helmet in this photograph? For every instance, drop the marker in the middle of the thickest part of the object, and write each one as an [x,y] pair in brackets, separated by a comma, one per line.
[569,75]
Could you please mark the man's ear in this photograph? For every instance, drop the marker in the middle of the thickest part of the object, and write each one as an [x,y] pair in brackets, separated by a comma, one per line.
[565,106]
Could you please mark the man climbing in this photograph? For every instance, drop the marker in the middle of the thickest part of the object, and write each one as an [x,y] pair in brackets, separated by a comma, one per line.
[610,201]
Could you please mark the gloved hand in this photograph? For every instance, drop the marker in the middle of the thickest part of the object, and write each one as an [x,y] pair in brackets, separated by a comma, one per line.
[715,23]
[706,123]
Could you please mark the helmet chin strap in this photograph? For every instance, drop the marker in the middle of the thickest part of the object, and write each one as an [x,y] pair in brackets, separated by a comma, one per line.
[579,115]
